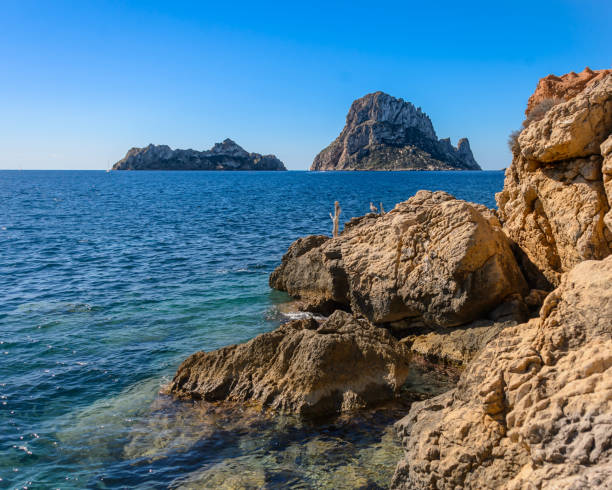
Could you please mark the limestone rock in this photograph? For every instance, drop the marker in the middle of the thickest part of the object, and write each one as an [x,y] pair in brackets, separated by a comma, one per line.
[302,367]
[554,200]
[432,259]
[571,129]
[456,345]
[534,410]
[222,156]
[564,87]
[385,133]
[312,272]
[606,169]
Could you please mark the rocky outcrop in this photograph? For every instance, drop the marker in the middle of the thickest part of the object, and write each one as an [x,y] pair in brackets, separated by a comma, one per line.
[313,272]
[385,133]
[555,204]
[457,345]
[431,261]
[302,367]
[563,88]
[222,156]
[534,410]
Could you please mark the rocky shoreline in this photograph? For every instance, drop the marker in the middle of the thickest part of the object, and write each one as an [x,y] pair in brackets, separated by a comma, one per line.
[519,299]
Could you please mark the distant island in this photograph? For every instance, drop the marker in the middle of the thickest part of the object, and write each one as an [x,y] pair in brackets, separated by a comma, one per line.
[386,133]
[222,156]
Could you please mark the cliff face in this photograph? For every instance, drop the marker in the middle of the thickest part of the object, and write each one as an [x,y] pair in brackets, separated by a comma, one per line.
[385,133]
[534,410]
[555,204]
[223,156]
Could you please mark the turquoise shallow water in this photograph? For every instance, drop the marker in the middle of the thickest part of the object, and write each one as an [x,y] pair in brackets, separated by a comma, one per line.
[109,280]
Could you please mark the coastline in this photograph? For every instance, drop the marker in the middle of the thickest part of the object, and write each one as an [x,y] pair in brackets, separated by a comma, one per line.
[379,299]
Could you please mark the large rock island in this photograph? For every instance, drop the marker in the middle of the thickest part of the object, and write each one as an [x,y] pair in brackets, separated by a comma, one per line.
[385,133]
[223,156]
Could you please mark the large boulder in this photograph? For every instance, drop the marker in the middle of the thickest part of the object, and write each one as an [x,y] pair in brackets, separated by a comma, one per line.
[534,410]
[302,367]
[433,259]
[312,272]
[554,199]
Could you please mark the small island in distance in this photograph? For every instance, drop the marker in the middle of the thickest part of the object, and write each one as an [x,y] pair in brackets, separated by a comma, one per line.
[386,133]
[227,155]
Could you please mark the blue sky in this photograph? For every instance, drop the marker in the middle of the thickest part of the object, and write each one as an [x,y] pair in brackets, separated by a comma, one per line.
[82,82]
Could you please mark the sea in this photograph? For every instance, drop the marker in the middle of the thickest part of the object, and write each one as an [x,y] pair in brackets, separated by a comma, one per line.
[108,280]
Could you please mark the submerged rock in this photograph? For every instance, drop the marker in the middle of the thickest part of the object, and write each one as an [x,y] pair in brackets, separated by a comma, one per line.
[533,410]
[555,204]
[385,133]
[302,367]
[223,156]
[433,259]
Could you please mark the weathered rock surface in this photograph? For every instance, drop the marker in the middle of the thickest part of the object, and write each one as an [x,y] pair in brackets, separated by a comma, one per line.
[564,87]
[455,345]
[534,410]
[302,367]
[385,133]
[434,260]
[222,156]
[555,199]
[312,272]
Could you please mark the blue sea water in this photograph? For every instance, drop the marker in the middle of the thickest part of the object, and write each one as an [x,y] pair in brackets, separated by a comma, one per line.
[109,280]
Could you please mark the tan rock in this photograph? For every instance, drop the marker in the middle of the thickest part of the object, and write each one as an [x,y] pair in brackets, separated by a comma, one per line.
[534,410]
[433,258]
[564,87]
[301,367]
[456,345]
[571,129]
[606,169]
[312,272]
[554,199]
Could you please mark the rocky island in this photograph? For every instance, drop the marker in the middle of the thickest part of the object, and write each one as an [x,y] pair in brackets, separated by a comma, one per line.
[222,156]
[385,133]
[519,299]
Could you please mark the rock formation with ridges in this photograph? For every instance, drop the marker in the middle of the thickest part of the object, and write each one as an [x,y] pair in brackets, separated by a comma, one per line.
[222,156]
[432,260]
[385,133]
[534,410]
[302,367]
[555,204]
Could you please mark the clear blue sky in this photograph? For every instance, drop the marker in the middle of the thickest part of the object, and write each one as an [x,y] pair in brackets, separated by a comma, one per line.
[82,82]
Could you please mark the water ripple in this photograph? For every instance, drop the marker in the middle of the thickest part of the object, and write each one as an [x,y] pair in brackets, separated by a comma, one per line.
[109,280]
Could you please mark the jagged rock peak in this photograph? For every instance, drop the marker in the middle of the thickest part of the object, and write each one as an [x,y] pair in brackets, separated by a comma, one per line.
[382,107]
[227,155]
[386,133]
[228,147]
[565,87]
